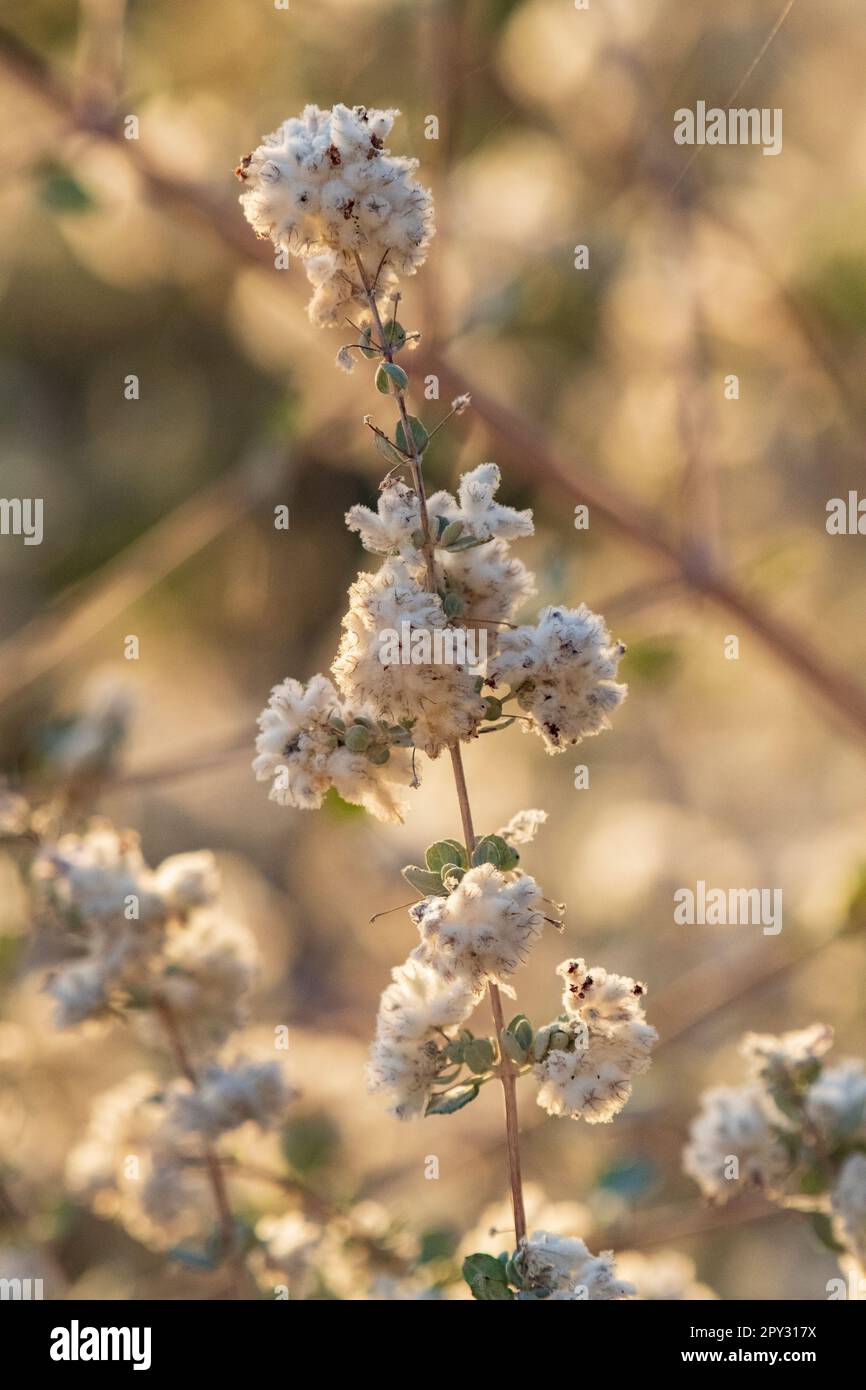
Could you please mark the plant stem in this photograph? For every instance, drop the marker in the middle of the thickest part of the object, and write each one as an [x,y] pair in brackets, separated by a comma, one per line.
[507,1071]
[215,1173]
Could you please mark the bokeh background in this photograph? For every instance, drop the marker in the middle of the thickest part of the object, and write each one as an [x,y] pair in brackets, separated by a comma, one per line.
[604,386]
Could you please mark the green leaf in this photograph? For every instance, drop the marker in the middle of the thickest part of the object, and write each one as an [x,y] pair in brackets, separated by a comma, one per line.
[454,872]
[62,191]
[419,435]
[310,1142]
[390,378]
[492,849]
[194,1259]
[487,1278]
[451,533]
[444,852]
[823,1228]
[423,881]
[813,1181]
[452,604]
[448,1102]
[512,1048]
[395,334]
[357,739]
[465,543]
[479,1055]
[387,450]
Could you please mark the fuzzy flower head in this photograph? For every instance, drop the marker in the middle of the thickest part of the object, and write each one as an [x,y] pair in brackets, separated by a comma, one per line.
[156,1197]
[408,1052]
[204,974]
[788,1060]
[227,1097]
[563,670]
[309,742]
[440,699]
[324,188]
[483,582]
[586,1060]
[483,929]
[100,878]
[836,1102]
[735,1143]
[561,1268]
[522,828]
[119,913]
[848,1199]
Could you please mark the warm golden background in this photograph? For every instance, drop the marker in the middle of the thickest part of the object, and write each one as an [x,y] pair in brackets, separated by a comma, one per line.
[605,386]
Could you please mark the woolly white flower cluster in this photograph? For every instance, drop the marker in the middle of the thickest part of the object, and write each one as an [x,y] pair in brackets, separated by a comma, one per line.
[324,188]
[357,1253]
[479,578]
[129,921]
[735,1143]
[561,1268]
[798,1126]
[563,670]
[88,744]
[482,930]
[418,1012]
[589,1057]
[309,742]
[158,948]
[442,699]
[139,1161]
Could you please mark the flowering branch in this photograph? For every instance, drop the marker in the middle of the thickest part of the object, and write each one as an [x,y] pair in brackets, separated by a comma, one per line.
[324,189]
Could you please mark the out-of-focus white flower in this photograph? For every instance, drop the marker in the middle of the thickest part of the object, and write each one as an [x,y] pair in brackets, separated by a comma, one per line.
[101,877]
[228,1096]
[848,1199]
[734,1143]
[602,1043]
[125,1168]
[207,968]
[324,188]
[564,672]
[665,1275]
[792,1057]
[483,929]
[439,697]
[415,1010]
[120,912]
[302,753]
[836,1102]
[90,742]
[186,881]
[522,828]
[564,1267]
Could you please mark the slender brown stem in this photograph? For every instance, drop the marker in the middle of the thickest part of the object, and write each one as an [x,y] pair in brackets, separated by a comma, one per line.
[215,1173]
[507,1071]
